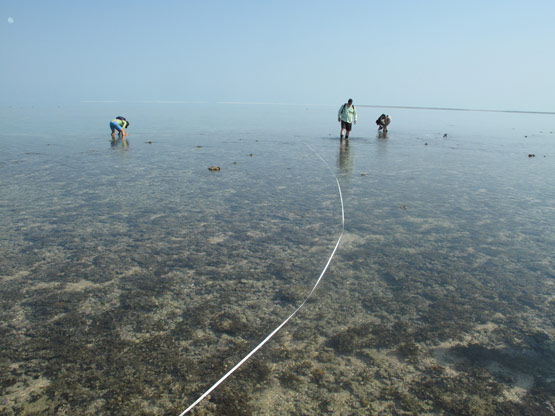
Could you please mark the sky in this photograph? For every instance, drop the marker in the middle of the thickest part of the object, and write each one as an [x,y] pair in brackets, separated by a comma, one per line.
[484,54]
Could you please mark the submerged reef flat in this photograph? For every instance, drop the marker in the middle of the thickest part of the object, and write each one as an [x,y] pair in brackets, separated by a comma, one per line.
[132,294]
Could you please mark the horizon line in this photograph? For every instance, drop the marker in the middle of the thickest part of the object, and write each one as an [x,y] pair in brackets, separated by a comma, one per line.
[404,107]
[457,109]
[144,101]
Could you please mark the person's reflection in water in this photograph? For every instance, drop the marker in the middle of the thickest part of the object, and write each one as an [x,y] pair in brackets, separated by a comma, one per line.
[123,142]
[382,145]
[344,161]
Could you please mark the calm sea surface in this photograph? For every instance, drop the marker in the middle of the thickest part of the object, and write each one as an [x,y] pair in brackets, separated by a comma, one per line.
[132,277]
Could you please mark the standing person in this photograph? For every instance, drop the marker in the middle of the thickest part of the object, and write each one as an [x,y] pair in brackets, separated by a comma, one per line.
[383,121]
[347,115]
[119,124]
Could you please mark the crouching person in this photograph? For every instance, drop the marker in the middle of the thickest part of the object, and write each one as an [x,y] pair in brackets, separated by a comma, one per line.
[383,122]
[119,124]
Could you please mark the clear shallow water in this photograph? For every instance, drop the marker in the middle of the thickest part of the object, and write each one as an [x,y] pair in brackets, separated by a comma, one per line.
[133,278]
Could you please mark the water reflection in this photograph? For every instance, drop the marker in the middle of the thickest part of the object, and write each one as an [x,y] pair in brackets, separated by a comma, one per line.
[382,145]
[344,159]
[120,142]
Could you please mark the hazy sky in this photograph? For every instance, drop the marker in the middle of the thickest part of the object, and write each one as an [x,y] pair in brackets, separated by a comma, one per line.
[481,54]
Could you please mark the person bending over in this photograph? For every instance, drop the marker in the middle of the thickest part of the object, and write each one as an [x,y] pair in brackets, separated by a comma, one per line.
[383,122]
[119,124]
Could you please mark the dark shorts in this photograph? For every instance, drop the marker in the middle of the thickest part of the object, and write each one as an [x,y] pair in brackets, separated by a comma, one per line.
[346,126]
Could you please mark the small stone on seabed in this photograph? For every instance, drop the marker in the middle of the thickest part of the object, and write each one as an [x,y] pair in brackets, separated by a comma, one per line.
[531,155]
[214,168]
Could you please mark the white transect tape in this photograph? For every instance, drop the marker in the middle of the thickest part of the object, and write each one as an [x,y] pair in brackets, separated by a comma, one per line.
[250,354]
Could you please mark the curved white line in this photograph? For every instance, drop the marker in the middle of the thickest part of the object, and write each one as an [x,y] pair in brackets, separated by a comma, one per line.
[250,354]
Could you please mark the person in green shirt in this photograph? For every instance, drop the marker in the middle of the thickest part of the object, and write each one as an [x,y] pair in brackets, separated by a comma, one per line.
[347,115]
[119,124]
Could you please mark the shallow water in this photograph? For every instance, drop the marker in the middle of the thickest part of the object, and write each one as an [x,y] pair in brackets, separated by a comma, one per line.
[133,278]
